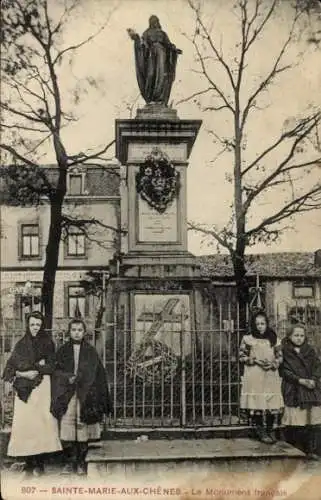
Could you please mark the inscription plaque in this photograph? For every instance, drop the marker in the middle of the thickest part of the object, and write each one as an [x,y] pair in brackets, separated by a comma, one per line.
[154,227]
[138,152]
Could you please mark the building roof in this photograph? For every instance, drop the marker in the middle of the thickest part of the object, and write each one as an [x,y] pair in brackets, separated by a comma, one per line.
[270,265]
[99,181]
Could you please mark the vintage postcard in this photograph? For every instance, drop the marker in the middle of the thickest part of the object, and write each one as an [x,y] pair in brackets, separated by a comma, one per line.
[160,319]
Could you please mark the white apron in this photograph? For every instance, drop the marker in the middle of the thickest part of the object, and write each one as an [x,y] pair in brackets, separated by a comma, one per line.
[261,389]
[34,428]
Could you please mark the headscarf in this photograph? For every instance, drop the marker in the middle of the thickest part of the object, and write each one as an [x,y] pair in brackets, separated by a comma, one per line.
[300,364]
[26,354]
[42,341]
[268,334]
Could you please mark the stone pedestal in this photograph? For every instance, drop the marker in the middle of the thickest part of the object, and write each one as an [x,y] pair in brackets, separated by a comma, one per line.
[154,111]
[159,288]
[151,233]
[154,246]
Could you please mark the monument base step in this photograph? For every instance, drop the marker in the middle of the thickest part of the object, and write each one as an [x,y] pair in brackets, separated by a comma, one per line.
[169,433]
[132,459]
[167,265]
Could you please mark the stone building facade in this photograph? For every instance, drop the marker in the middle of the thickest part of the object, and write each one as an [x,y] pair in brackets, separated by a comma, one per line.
[93,194]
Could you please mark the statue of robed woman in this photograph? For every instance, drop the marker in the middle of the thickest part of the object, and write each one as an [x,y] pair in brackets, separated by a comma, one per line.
[156,59]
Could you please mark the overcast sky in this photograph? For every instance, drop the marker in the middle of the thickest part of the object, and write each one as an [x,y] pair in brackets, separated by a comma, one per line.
[109,60]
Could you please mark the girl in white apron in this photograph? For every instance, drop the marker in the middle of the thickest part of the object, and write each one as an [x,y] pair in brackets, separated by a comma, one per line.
[261,396]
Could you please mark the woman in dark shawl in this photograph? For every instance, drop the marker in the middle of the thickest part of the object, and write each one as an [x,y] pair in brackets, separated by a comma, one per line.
[34,430]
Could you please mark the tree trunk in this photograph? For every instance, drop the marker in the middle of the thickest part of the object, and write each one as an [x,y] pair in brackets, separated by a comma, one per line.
[51,263]
[242,285]
[52,249]
[242,288]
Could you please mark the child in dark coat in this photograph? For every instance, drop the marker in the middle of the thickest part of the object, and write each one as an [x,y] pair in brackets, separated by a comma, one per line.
[80,396]
[301,388]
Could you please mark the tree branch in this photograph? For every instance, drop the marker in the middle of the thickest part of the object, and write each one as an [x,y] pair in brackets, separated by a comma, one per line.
[295,206]
[17,155]
[211,43]
[210,81]
[211,232]
[82,158]
[22,127]
[276,69]
[66,12]
[84,42]
[260,28]
[18,84]
[299,131]
[39,143]
[280,169]
[76,46]
[196,94]
[35,118]
[69,220]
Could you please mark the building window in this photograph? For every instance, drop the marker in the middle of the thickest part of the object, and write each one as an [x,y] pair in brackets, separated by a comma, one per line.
[308,315]
[28,300]
[76,241]
[30,246]
[303,290]
[76,302]
[75,184]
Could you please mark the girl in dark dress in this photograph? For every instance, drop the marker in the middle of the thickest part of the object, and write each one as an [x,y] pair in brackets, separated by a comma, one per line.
[301,388]
[80,396]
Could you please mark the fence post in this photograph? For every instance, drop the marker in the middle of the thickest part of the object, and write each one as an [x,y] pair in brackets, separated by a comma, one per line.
[183,372]
[115,360]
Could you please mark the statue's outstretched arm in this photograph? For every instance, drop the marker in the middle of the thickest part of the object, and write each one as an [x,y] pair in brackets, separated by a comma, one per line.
[133,35]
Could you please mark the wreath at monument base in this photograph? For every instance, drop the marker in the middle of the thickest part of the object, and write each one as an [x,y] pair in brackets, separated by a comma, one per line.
[157,181]
[162,365]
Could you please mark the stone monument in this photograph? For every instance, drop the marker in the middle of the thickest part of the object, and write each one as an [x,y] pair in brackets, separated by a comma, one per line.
[159,285]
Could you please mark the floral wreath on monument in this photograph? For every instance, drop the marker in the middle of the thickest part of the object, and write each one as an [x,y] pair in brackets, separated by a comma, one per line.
[162,365]
[157,181]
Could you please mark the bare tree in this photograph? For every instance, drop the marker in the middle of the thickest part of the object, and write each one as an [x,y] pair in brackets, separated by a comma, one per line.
[35,109]
[278,168]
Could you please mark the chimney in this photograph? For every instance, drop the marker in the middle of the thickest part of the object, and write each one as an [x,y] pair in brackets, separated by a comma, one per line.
[317,258]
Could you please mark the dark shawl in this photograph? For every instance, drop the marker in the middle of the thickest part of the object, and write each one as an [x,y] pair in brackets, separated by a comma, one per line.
[25,356]
[304,364]
[269,334]
[90,385]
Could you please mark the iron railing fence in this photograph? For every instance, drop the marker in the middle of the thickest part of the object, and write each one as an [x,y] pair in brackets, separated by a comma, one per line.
[171,384]
[166,374]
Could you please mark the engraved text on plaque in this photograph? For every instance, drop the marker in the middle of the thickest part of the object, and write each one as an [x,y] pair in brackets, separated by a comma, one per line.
[154,227]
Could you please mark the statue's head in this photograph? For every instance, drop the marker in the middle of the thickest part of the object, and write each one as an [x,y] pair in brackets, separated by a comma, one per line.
[154,22]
